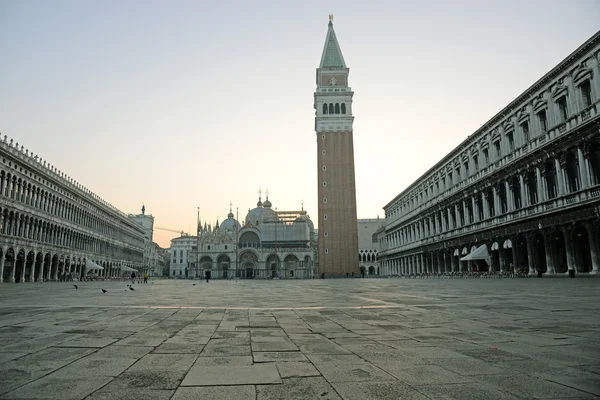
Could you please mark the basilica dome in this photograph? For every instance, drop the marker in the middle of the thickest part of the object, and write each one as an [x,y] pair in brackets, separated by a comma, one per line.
[230,224]
[261,214]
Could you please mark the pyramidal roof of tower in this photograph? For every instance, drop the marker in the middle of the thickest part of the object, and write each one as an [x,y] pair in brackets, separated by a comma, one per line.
[332,54]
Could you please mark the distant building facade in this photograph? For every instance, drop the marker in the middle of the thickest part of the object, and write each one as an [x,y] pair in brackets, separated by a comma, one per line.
[338,236]
[52,226]
[151,257]
[519,194]
[268,244]
[368,245]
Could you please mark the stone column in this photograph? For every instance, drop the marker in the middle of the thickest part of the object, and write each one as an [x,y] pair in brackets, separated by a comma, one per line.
[486,208]
[13,266]
[524,192]
[459,223]
[2,262]
[32,271]
[514,254]
[475,210]
[530,255]
[569,249]
[510,201]
[466,212]
[560,179]
[40,277]
[583,173]
[450,223]
[501,257]
[549,254]
[593,239]
[497,208]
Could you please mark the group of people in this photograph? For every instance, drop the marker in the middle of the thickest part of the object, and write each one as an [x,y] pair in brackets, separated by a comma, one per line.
[139,279]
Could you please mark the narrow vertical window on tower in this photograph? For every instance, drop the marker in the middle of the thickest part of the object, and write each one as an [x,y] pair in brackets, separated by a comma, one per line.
[324,108]
[324,152]
[343,108]
[324,183]
[330,108]
[337,108]
[324,168]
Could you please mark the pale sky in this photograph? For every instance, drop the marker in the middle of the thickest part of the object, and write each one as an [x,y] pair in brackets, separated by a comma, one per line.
[189,104]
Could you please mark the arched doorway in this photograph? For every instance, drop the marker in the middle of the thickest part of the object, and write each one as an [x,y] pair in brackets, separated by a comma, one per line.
[363,271]
[507,255]
[54,267]
[522,262]
[9,264]
[291,263]
[371,270]
[46,267]
[539,253]
[223,265]
[20,266]
[273,266]
[205,265]
[248,261]
[495,257]
[556,245]
[581,249]
[30,267]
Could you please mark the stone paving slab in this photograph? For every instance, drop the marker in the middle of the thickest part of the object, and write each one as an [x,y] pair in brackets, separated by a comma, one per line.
[256,374]
[317,339]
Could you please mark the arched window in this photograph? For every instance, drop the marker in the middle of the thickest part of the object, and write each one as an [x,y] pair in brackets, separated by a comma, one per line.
[550,174]
[572,172]
[503,198]
[532,186]
[343,108]
[324,108]
[516,188]
[331,108]
[337,108]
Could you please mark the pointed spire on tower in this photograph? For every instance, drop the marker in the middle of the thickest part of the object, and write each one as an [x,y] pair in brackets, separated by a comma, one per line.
[332,54]
[143,209]
[217,225]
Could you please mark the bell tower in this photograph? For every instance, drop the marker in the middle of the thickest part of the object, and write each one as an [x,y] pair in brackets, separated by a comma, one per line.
[338,229]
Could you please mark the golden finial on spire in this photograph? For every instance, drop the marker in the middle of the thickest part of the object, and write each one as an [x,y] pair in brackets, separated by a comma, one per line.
[330,17]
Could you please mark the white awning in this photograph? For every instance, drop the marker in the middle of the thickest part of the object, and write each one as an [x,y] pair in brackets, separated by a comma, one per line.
[89,265]
[127,269]
[495,246]
[507,244]
[456,252]
[464,251]
[480,253]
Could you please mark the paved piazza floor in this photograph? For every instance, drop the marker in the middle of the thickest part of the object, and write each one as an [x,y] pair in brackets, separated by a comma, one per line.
[315,339]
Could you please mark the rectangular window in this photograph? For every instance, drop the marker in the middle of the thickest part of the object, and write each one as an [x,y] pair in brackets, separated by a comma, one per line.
[476,163]
[450,181]
[525,129]
[562,108]
[486,156]
[458,176]
[466,165]
[543,121]
[498,149]
[511,141]
[586,94]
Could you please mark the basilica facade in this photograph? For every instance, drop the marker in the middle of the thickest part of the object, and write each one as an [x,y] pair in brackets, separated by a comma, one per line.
[521,194]
[267,244]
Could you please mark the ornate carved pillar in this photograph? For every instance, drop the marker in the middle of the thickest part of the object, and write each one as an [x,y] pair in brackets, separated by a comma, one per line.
[475,210]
